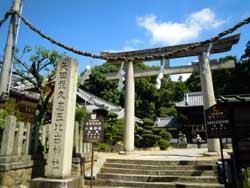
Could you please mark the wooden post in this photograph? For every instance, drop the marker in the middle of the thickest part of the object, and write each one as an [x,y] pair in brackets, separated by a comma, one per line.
[92,164]
[223,161]
[9,50]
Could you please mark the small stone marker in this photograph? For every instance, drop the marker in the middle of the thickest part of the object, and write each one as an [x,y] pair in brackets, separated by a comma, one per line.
[27,140]
[63,116]
[81,139]
[76,137]
[18,143]
[8,136]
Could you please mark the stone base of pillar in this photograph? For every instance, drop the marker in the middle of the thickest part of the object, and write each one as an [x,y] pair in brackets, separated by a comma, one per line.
[126,152]
[70,182]
[210,154]
[213,145]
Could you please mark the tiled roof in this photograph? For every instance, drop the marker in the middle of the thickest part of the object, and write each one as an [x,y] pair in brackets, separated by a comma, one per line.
[233,98]
[96,100]
[101,103]
[167,122]
[27,94]
[191,99]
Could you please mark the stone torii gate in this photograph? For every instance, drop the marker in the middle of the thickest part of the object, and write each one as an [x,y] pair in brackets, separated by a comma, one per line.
[204,68]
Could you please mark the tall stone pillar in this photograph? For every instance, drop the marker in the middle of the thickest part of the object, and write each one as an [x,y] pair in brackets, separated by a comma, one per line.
[129,108]
[63,117]
[59,160]
[208,95]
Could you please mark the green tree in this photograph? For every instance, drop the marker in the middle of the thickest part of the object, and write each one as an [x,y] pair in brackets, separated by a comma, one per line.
[113,129]
[3,114]
[80,115]
[9,107]
[99,86]
[37,71]
[193,82]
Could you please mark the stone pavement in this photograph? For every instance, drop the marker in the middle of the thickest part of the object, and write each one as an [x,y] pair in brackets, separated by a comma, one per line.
[171,154]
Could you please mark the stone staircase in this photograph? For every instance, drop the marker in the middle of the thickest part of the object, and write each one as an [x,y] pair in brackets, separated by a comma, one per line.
[158,174]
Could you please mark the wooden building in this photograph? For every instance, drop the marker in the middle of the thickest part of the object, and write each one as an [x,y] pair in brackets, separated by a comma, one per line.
[170,123]
[191,114]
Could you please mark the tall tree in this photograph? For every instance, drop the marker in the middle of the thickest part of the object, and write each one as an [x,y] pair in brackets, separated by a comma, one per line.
[37,71]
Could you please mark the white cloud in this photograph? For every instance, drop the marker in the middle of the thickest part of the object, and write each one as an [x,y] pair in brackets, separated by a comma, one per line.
[129,45]
[134,42]
[128,48]
[172,33]
[124,49]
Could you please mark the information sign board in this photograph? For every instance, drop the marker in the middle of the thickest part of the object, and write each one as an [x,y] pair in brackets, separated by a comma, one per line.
[218,122]
[93,130]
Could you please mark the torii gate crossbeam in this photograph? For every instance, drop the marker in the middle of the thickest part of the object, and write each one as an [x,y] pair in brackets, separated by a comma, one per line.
[194,67]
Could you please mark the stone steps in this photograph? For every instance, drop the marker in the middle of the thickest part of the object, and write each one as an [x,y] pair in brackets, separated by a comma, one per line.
[120,184]
[160,178]
[158,174]
[158,162]
[160,167]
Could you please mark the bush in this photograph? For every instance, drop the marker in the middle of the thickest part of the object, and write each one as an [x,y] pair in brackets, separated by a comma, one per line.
[3,114]
[80,115]
[165,135]
[148,121]
[118,147]
[164,144]
[113,129]
[104,147]
[149,140]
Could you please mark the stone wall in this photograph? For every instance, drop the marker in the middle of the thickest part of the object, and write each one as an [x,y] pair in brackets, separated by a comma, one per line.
[18,178]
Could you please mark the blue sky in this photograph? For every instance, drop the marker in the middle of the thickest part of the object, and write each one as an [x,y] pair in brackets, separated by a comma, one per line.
[114,25]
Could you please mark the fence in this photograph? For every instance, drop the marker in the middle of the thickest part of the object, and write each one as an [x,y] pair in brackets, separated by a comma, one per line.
[17,139]
[22,146]
[78,147]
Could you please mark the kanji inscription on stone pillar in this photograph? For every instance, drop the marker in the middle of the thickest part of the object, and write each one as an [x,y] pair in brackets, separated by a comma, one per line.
[63,117]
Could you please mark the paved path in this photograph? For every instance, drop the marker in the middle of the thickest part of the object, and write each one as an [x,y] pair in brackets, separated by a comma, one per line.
[171,154]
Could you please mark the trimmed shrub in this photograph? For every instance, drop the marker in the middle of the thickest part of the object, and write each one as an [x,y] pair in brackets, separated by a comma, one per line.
[164,144]
[149,140]
[165,135]
[104,147]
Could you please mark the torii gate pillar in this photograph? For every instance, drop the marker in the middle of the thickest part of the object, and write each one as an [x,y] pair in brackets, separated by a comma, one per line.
[129,128]
[208,95]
